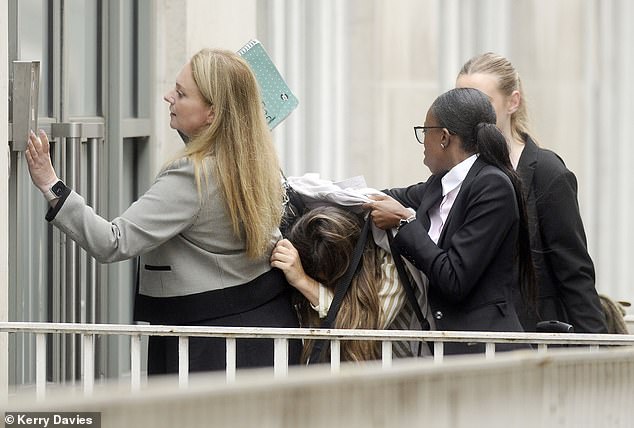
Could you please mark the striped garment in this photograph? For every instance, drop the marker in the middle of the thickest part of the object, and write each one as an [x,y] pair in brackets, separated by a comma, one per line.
[396,311]
[391,293]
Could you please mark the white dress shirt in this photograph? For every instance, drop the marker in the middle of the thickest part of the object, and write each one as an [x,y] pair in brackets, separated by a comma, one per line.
[451,183]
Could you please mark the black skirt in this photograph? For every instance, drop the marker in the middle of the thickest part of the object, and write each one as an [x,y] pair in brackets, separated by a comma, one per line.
[263,302]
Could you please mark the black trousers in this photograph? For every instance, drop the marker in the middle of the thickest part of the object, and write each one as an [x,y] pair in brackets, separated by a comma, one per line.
[206,354]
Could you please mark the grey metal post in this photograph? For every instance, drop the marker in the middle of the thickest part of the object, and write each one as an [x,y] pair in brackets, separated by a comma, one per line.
[71,132]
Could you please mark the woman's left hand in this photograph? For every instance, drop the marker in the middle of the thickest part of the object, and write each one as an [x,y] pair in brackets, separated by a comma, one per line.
[286,258]
[38,159]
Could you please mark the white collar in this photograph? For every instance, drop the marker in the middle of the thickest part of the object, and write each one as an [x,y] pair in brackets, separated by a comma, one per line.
[457,174]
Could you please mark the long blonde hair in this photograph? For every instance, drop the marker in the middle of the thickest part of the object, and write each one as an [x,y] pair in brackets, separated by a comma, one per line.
[245,164]
[325,238]
[508,81]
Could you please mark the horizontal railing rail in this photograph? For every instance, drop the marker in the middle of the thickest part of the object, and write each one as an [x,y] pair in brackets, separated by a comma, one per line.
[280,337]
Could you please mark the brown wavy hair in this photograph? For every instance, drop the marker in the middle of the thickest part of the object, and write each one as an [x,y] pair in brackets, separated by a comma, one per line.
[325,238]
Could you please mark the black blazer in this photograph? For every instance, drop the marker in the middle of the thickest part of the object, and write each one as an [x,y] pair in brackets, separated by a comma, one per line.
[564,268]
[472,270]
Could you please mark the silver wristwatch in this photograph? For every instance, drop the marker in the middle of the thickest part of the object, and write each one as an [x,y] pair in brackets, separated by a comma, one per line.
[402,222]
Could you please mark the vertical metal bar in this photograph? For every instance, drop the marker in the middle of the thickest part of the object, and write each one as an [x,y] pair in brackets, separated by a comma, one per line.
[542,348]
[95,296]
[73,254]
[386,354]
[116,199]
[280,357]
[489,350]
[231,359]
[56,106]
[58,297]
[93,182]
[335,356]
[25,267]
[183,361]
[439,351]
[594,348]
[135,363]
[40,365]
[70,133]
[88,343]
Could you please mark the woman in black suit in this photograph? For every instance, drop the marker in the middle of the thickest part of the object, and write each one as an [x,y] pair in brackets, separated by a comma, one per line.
[565,272]
[465,228]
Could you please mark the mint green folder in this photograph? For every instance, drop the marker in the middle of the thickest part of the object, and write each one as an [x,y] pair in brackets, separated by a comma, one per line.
[277,98]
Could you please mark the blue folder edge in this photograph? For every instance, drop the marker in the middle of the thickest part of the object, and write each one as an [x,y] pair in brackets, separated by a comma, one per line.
[278,99]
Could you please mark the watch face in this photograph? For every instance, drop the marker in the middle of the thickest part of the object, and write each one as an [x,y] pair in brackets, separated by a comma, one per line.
[58,188]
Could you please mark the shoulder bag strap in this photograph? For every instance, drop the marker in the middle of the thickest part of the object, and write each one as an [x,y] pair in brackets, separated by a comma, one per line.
[340,291]
[407,284]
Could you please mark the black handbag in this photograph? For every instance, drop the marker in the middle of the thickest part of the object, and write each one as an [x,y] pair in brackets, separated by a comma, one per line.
[293,206]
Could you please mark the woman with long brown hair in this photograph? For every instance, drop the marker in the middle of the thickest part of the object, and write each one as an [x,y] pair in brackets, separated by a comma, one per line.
[317,254]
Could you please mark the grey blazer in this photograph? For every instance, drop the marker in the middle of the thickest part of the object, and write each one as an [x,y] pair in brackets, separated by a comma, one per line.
[186,242]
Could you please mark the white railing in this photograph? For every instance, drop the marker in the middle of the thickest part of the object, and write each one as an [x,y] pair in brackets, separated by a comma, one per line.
[280,337]
[563,388]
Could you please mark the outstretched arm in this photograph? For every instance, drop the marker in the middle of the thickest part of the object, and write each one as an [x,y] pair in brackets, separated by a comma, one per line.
[170,206]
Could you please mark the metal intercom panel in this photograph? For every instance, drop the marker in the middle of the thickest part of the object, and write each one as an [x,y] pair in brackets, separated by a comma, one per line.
[24,99]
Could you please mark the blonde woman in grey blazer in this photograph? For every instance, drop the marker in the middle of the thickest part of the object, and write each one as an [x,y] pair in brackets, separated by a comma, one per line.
[205,229]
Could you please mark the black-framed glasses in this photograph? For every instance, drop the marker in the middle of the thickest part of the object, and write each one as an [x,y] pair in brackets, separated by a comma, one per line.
[420,131]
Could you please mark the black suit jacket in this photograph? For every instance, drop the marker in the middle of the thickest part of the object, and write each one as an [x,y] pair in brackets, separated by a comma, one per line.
[472,270]
[564,268]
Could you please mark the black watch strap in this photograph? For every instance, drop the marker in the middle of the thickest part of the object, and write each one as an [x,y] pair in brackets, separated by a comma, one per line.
[56,191]
[61,192]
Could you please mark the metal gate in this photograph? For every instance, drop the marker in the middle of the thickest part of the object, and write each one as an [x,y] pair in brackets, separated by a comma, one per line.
[84,57]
